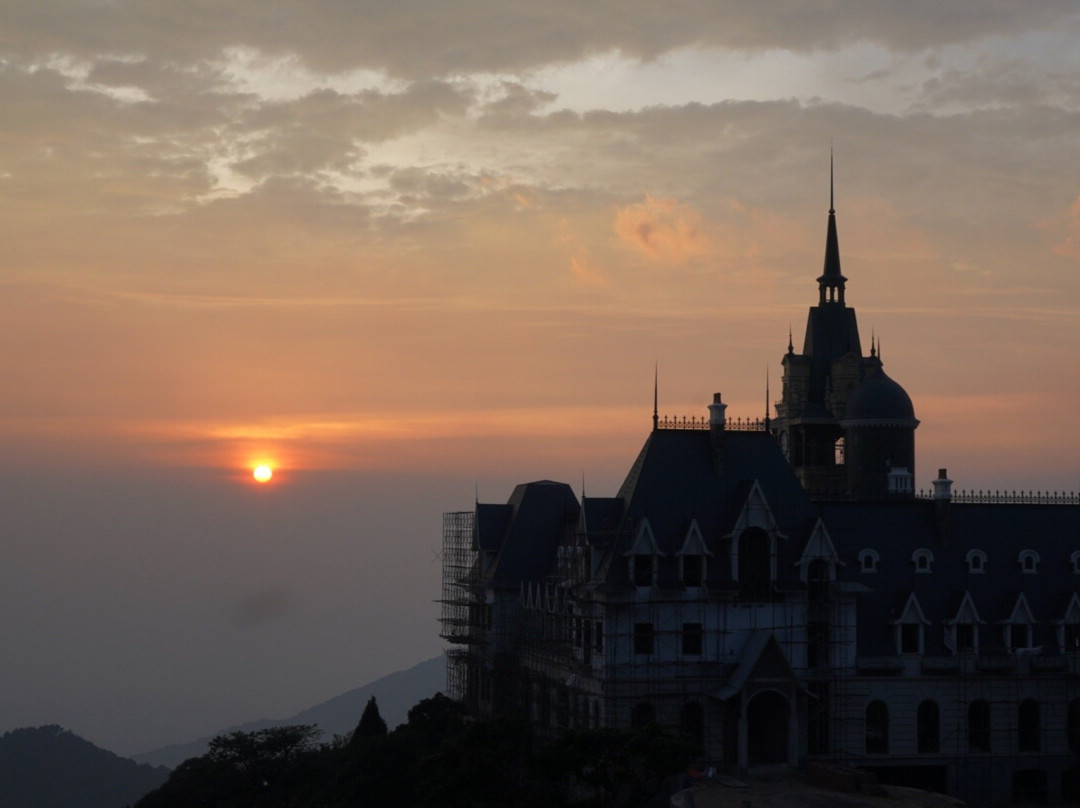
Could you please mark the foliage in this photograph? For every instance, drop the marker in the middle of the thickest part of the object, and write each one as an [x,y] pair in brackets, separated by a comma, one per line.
[620,767]
[371,724]
[440,758]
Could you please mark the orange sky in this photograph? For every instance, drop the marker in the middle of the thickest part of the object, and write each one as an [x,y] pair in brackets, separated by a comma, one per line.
[451,246]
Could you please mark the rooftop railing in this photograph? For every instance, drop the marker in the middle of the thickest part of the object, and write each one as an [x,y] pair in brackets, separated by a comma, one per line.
[981,497]
[731,424]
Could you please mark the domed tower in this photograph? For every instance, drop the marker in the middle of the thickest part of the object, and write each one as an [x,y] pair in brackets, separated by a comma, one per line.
[818,381]
[879,435]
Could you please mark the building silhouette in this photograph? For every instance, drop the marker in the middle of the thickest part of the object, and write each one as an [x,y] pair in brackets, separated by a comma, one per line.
[778,590]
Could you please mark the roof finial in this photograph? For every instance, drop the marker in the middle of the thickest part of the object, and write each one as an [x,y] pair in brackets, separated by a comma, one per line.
[790,345]
[656,397]
[766,398]
[832,207]
[873,346]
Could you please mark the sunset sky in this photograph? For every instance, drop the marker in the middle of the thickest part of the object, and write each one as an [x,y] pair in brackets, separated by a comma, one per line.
[413,252]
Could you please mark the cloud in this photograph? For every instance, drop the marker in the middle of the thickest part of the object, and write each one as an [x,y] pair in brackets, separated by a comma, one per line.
[431,37]
[663,229]
[1070,245]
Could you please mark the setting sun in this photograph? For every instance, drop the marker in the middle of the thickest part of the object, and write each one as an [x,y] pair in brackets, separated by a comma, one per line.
[263,473]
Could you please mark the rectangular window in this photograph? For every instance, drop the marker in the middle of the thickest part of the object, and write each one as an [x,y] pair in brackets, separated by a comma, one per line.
[643,638]
[965,638]
[693,639]
[598,636]
[910,636]
[691,570]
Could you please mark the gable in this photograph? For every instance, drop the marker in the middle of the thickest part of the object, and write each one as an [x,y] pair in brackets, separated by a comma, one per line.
[912,612]
[1021,613]
[965,612]
[818,547]
[694,543]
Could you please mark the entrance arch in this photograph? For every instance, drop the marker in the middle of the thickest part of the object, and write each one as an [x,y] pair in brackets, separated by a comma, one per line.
[767,716]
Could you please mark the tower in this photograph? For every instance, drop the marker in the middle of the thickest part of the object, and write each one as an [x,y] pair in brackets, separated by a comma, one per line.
[818,381]
[842,423]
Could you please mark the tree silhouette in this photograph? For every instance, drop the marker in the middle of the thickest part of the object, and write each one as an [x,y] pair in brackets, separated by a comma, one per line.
[371,724]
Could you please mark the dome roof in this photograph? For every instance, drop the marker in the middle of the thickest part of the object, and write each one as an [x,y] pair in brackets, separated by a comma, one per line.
[879,398]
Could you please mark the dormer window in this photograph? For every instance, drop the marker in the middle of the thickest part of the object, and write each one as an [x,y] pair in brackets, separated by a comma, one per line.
[976,561]
[1029,562]
[962,629]
[868,560]
[693,558]
[1019,627]
[1068,627]
[922,559]
[693,570]
[909,627]
[642,569]
[642,557]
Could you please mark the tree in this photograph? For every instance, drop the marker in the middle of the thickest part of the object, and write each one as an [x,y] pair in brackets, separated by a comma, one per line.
[371,724]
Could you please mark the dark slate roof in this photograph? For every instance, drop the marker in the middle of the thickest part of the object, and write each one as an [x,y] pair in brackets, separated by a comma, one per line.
[541,515]
[897,529]
[491,522]
[600,517]
[675,481]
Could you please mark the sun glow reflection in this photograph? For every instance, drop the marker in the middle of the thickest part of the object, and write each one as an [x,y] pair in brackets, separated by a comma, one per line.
[262,473]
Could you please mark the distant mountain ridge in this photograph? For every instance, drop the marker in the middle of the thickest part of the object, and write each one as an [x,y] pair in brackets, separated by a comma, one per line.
[51,767]
[395,693]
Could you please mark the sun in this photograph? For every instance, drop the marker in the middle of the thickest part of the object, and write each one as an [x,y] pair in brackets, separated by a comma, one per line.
[262,473]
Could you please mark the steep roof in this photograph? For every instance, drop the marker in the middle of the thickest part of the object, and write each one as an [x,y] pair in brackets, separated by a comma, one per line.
[675,482]
[540,514]
[897,529]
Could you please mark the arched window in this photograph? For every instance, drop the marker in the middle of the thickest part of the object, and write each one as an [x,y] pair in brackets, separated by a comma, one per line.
[877,728]
[922,559]
[976,561]
[643,715]
[755,564]
[868,560]
[1028,726]
[979,726]
[1029,562]
[928,729]
[838,452]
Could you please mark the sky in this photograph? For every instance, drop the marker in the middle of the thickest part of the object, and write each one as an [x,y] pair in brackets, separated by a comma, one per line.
[413,253]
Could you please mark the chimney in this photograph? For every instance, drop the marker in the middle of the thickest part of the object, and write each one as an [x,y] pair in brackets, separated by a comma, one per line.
[942,498]
[717,420]
[942,487]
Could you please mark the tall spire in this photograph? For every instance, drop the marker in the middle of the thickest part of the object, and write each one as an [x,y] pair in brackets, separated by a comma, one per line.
[656,397]
[831,282]
[832,205]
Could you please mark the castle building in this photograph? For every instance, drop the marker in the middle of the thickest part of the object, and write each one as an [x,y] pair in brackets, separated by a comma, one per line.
[778,590]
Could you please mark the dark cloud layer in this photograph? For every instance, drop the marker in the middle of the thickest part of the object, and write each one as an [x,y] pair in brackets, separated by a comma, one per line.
[417,38]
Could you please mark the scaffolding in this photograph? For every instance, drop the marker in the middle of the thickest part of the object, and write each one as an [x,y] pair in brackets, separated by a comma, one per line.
[461,600]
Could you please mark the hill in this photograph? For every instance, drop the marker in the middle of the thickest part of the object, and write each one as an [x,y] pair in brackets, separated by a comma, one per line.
[50,767]
[395,693]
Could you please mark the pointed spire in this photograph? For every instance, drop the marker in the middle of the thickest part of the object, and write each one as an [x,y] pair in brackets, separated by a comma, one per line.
[767,395]
[873,344]
[831,282]
[656,397]
[832,205]
[790,344]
